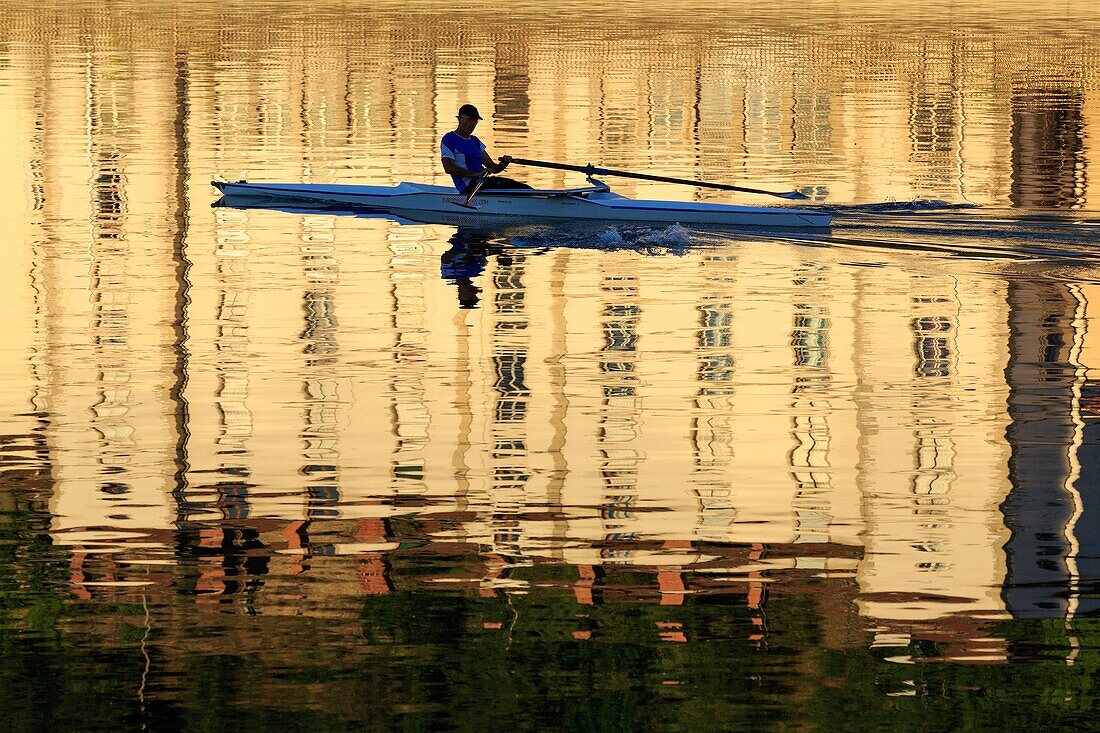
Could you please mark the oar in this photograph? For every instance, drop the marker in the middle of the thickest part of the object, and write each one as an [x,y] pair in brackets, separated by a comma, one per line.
[591,170]
[474,189]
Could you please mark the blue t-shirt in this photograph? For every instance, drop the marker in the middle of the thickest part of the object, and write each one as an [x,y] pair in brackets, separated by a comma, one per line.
[465,152]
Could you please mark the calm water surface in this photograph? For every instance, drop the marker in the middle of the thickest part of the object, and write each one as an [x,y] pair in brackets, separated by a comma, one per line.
[305,470]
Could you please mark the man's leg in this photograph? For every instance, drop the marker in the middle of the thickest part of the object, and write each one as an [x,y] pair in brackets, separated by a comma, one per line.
[499,182]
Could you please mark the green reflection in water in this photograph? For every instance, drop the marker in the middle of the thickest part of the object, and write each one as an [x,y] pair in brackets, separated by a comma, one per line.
[424,659]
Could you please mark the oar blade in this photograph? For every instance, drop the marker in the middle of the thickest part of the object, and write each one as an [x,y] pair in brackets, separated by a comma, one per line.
[795,195]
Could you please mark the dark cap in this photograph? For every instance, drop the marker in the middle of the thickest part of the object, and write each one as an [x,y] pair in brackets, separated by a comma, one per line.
[469,110]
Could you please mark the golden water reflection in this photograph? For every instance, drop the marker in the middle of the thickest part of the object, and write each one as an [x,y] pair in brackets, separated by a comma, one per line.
[255,393]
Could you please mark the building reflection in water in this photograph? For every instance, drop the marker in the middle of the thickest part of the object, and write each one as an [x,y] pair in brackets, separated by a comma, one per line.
[1047,503]
[1048,147]
[247,398]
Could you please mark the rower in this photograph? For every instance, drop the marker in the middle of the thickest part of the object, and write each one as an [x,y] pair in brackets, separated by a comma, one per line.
[467,161]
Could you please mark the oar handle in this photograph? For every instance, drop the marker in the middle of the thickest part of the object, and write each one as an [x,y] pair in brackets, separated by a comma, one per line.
[591,170]
[588,169]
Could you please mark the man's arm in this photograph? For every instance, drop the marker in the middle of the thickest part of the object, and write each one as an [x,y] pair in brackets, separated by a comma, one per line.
[488,162]
[455,169]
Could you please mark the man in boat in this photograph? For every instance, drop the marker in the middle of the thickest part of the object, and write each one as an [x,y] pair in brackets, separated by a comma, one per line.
[465,157]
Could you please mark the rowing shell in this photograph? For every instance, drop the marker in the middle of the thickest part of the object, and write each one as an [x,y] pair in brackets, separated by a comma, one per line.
[596,202]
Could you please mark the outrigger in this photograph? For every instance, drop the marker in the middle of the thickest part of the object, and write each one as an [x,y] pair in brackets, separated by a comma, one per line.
[594,202]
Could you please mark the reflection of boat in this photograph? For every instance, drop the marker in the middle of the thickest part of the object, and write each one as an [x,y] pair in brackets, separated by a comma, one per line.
[595,203]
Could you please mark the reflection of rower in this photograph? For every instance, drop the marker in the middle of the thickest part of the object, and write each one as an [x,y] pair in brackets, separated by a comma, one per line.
[464,261]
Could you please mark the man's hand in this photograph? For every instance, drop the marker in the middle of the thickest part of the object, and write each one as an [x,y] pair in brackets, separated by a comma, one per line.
[504,161]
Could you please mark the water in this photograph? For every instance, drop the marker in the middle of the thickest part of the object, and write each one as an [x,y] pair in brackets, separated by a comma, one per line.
[270,469]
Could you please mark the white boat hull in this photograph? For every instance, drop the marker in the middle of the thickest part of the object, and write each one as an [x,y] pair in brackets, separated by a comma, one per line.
[595,203]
